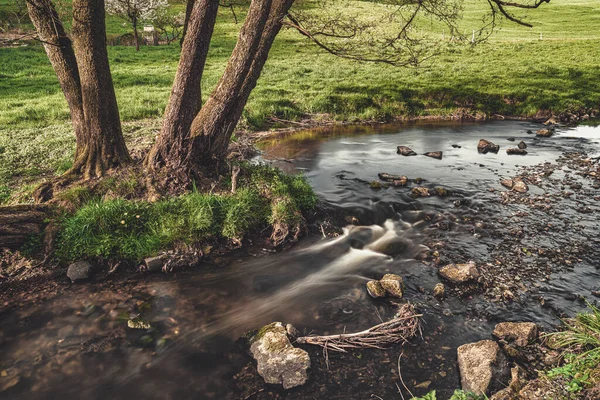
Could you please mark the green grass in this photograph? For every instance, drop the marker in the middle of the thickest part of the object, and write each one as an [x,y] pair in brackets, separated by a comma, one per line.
[514,73]
[580,342]
[131,230]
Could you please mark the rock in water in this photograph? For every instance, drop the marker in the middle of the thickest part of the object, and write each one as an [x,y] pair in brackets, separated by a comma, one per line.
[278,362]
[522,145]
[507,183]
[483,367]
[516,150]
[434,154]
[392,284]
[375,289]
[79,271]
[384,176]
[401,182]
[439,291]
[520,186]
[460,273]
[485,146]
[420,192]
[406,151]
[519,333]
[544,133]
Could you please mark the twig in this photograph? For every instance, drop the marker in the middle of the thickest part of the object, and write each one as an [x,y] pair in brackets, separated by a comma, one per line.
[402,380]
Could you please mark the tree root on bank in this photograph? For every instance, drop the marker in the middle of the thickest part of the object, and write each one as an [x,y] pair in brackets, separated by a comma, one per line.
[400,329]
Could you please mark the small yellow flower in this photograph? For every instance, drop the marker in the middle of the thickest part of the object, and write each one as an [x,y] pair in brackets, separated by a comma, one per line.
[137,216]
[122,222]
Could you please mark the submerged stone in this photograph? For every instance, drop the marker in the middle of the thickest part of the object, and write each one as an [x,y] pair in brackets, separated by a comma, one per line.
[278,362]
[520,186]
[522,145]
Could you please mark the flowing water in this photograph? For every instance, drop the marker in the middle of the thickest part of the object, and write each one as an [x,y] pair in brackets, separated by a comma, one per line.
[72,341]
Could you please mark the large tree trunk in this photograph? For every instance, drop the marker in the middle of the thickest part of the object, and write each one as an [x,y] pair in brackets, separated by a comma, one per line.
[186,97]
[58,47]
[19,223]
[213,126]
[103,147]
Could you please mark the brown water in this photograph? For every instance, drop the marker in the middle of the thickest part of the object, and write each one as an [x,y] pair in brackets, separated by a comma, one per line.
[75,342]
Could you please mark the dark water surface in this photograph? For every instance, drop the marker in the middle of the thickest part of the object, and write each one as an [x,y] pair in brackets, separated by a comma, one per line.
[75,343]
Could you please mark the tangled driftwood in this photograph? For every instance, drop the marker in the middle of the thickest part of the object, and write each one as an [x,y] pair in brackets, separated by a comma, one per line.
[400,329]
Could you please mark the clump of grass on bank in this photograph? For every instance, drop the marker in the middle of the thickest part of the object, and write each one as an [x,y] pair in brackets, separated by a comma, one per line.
[457,395]
[581,344]
[131,230]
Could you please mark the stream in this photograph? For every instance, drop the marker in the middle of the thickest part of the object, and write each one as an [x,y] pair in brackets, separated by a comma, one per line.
[538,259]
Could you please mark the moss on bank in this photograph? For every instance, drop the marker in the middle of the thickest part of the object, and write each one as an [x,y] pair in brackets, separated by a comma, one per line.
[130,230]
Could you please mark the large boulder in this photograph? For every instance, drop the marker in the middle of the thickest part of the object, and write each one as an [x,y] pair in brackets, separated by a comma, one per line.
[485,146]
[518,333]
[278,362]
[405,151]
[460,273]
[79,271]
[483,367]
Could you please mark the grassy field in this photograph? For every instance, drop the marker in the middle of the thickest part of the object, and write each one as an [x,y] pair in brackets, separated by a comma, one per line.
[514,73]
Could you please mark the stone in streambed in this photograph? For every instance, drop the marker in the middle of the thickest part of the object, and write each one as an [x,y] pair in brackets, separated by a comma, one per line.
[522,145]
[79,271]
[520,186]
[420,192]
[384,176]
[405,151]
[392,284]
[400,182]
[483,367]
[485,146]
[518,333]
[375,289]
[460,273]
[516,151]
[544,133]
[434,154]
[508,183]
[278,362]
[439,291]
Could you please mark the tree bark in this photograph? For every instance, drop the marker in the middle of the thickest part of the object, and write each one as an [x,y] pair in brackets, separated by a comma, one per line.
[213,126]
[19,223]
[103,147]
[136,37]
[59,49]
[186,96]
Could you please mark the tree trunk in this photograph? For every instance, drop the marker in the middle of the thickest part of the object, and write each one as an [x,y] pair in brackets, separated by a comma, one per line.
[186,96]
[213,126]
[103,147]
[59,49]
[19,223]
[136,37]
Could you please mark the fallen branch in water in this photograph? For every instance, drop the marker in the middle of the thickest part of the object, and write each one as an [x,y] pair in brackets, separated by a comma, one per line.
[400,329]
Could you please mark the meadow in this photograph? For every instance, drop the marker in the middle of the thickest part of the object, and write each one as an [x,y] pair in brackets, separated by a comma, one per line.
[512,73]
